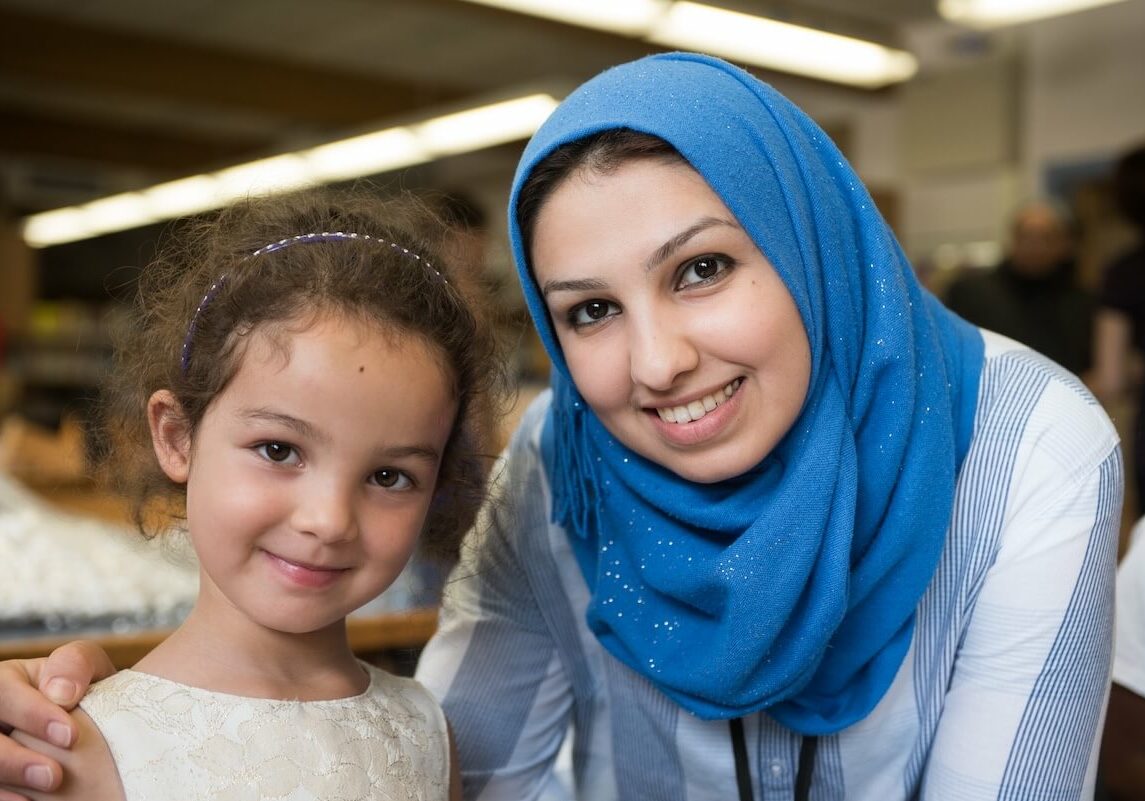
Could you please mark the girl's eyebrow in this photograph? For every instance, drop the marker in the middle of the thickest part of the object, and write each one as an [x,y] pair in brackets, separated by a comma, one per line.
[681,239]
[299,426]
[422,452]
[307,431]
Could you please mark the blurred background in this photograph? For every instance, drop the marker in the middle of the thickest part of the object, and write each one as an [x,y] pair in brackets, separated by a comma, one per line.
[119,115]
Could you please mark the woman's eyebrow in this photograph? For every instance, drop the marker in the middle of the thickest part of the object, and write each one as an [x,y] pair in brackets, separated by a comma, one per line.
[661,253]
[575,285]
[681,239]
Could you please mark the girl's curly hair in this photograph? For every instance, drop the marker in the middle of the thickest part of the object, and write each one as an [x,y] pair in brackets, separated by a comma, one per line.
[368,280]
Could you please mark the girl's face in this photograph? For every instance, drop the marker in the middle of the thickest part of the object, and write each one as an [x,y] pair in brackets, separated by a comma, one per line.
[677,331]
[311,474]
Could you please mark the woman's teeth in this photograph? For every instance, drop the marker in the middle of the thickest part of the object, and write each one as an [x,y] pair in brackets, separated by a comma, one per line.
[698,408]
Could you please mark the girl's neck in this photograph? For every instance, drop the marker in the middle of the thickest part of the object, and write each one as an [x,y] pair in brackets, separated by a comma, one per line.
[233,654]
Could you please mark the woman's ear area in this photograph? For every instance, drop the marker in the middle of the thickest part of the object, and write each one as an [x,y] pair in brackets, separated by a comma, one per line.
[169,435]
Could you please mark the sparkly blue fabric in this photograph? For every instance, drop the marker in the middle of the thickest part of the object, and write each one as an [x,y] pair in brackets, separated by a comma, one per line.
[791,588]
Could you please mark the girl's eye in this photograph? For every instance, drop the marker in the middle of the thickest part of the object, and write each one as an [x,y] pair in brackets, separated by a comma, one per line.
[278,452]
[389,478]
[590,312]
[703,270]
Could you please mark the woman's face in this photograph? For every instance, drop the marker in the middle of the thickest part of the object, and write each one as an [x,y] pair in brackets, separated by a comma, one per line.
[677,331]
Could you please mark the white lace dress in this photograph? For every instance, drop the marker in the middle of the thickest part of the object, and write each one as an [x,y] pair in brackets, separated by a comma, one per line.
[179,743]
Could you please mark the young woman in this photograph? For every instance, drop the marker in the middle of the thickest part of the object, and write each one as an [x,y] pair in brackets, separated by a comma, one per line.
[785,526]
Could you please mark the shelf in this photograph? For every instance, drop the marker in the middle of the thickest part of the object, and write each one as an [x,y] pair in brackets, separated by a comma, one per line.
[369,636]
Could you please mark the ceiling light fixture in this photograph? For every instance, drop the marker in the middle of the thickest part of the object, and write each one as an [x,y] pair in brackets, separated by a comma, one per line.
[627,17]
[744,38]
[369,154]
[781,46]
[485,126]
[998,13]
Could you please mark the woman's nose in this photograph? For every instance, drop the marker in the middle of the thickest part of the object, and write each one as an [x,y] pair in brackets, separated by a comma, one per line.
[662,350]
[325,509]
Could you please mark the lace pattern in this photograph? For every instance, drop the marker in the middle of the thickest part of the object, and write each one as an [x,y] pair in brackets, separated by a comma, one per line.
[182,743]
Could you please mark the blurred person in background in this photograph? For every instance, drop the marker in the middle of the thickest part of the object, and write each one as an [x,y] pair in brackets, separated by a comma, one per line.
[1033,295]
[1119,335]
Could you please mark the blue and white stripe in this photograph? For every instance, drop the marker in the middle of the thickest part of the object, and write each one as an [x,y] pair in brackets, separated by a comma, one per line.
[1000,696]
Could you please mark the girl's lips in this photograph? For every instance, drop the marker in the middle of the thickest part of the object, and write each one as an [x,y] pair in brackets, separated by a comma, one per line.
[303,575]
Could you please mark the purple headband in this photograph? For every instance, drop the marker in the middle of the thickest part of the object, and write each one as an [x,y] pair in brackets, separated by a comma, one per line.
[301,239]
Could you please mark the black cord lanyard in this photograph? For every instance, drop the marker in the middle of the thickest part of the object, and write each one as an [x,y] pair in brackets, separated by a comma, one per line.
[807,748]
[739,749]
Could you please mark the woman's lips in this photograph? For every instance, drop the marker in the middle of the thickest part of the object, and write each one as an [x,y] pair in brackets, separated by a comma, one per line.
[706,426]
[697,409]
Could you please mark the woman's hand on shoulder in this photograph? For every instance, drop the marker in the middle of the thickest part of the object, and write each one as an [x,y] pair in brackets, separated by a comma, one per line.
[34,694]
[89,771]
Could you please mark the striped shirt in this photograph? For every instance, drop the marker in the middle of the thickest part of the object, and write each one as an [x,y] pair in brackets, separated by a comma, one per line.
[1001,695]
[1129,654]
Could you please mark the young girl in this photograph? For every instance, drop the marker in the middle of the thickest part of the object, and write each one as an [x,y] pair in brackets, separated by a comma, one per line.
[785,527]
[302,379]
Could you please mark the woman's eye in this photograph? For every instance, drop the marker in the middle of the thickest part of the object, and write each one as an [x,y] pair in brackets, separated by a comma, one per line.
[389,478]
[590,312]
[278,452]
[702,270]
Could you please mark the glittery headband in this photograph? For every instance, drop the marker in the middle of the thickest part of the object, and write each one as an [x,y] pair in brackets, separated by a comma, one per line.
[301,239]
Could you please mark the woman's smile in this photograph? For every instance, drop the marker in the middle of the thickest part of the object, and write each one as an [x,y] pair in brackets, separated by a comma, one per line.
[695,410]
[677,331]
[705,428]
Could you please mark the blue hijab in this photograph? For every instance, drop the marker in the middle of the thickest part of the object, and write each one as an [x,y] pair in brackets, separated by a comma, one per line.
[793,587]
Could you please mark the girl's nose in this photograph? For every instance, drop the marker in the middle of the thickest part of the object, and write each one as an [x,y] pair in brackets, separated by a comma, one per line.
[325,510]
[660,352]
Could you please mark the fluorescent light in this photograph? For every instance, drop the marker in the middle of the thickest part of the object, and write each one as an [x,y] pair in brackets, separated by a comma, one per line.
[628,17]
[58,225]
[369,154]
[266,176]
[996,13]
[109,213]
[114,213]
[182,197]
[782,46]
[746,38]
[486,126]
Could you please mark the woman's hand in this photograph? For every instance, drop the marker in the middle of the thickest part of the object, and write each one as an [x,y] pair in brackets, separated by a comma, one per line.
[34,697]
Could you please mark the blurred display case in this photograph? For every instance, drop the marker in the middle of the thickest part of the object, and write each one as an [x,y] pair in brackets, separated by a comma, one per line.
[385,638]
[59,358]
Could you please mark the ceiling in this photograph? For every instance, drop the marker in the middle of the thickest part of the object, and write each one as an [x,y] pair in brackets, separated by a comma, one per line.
[107,95]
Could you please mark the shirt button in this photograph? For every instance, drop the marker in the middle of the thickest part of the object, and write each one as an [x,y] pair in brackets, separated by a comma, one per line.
[776,768]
